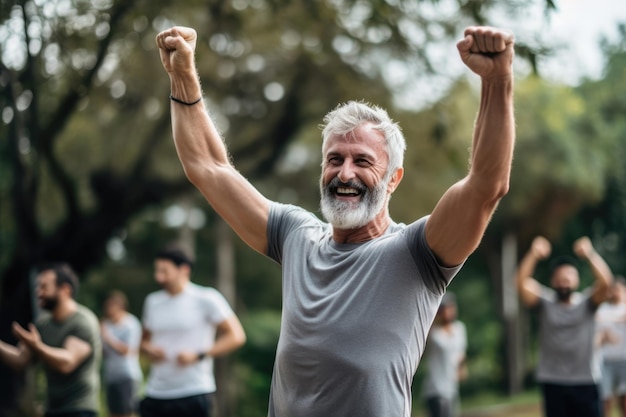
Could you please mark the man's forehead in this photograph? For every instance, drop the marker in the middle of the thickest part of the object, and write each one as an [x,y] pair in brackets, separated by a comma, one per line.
[45,276]
[363,136]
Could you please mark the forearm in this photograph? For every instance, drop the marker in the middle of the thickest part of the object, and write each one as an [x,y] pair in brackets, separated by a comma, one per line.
[494,136]
[227,343]
[14,356]
[60,359]
[600,270]
[117,345]
[525,269]
[198,143]
[528,288]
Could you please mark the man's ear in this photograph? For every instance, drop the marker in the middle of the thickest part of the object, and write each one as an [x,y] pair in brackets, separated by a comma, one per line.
[395,180]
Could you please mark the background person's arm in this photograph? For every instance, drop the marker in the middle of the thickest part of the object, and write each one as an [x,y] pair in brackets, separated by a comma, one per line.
[229,337]
[602,275]
[529,289]
[64,359]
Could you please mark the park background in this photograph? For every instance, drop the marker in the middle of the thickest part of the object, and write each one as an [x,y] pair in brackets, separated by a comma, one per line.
[89,174]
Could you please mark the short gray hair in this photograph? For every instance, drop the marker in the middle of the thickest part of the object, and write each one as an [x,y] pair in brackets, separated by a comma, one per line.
[345,118]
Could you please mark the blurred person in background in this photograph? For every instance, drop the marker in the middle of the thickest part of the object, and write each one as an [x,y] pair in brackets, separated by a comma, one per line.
[569,366]
[611,321]
[121,338]
[65,339]
[445,361]
[185,326]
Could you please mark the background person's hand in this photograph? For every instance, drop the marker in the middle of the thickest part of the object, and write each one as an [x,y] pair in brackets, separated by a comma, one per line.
[583,247]
[541,247]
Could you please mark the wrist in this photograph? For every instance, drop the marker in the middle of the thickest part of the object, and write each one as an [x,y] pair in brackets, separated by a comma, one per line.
[185,88]
[200,357]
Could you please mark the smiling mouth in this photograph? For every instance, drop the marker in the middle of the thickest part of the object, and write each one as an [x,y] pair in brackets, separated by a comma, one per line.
[347,192]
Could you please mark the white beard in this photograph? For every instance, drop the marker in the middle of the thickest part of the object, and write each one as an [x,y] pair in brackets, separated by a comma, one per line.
[352,215]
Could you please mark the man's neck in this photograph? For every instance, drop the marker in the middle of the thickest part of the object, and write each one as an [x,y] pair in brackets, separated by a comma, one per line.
[117,316]
[372,230]
[178,288]
[64,309]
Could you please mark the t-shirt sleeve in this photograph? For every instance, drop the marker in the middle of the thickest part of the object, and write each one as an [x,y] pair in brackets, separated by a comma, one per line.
[436,277]
[216,306]
[463,331]
[145,315]
[85,328]
[283,219]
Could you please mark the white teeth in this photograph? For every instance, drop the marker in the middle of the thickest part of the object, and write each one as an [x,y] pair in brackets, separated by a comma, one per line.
[341,190]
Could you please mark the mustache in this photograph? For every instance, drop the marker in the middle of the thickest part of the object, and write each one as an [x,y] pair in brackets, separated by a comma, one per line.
[356,184]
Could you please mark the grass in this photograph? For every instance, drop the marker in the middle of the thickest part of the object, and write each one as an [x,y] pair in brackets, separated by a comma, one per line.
[526,404]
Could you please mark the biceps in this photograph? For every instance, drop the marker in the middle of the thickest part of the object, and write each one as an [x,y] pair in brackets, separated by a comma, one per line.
[78,349]
[457,224]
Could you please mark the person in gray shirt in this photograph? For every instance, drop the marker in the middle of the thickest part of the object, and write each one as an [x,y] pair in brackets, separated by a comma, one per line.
[445,361]
[121,337]
[360,291]
[569,367]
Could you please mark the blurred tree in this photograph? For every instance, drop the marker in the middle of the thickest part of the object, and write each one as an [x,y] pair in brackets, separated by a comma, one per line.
[85,118]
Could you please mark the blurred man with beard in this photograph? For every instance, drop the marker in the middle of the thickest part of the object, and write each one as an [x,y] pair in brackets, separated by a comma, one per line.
[569,367]
[66,340]
[360,291]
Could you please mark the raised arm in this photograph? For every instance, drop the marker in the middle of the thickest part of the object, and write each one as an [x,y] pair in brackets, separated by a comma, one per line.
[602,275]
[528,288]
[200,148]
[459,220]
[64,359]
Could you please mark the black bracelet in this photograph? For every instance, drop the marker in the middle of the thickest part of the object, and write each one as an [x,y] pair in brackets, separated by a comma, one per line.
[185,102]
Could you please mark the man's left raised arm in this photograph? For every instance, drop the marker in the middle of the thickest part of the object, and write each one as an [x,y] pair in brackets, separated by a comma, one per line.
[458,222]
[602,274]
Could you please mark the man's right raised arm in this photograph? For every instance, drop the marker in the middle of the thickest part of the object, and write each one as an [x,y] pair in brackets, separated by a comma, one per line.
[528,288]
[200,148]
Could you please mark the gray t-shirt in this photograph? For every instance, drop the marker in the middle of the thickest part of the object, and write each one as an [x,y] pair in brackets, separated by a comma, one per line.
[78,390]
[118,367]
[566,339]
[355,317]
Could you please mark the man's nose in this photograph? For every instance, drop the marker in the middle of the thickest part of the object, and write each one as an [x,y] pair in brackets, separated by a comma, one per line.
[347,172]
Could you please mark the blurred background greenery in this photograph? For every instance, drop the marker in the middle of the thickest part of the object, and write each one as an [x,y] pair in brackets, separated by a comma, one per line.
[89,174]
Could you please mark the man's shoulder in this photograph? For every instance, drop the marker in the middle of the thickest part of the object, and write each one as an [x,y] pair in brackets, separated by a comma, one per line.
[86,315]
[155,296]
[203,292]
[281,210]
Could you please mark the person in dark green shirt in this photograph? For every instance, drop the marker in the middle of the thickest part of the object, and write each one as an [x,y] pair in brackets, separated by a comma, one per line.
[65,339]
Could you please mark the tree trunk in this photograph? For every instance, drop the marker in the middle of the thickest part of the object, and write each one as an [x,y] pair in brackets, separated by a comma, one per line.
[15,305]
[513,322]
[226,389]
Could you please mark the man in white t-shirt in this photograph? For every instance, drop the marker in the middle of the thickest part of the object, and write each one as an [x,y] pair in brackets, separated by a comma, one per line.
[185,327]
